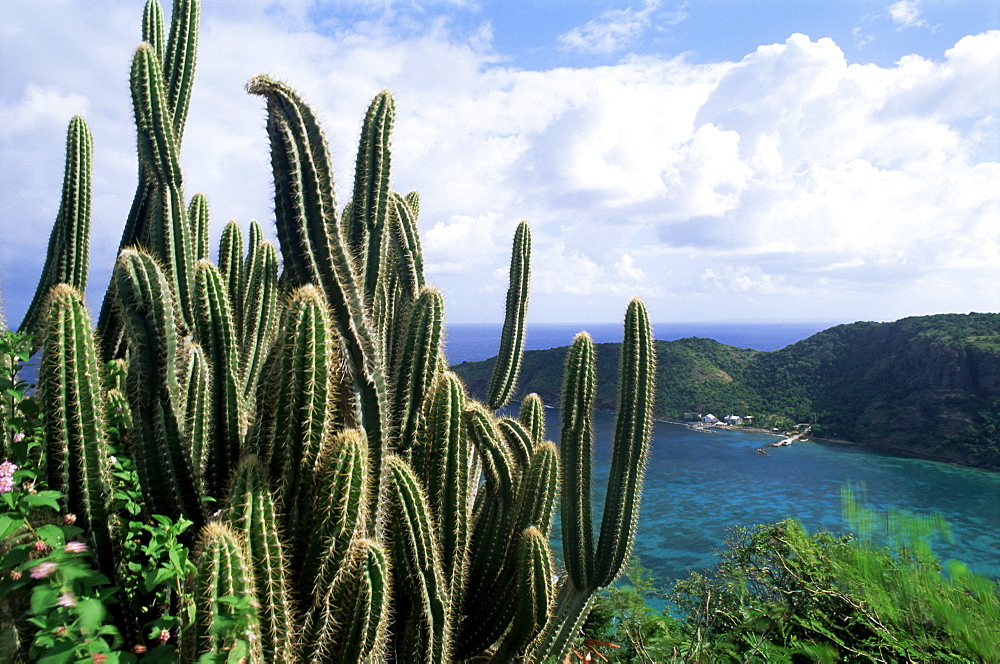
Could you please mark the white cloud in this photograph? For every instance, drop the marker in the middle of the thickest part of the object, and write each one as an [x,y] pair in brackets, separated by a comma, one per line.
[790,176]
[906,14]
[618,29]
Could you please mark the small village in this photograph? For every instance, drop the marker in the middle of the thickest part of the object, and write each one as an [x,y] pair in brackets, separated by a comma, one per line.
[708,422]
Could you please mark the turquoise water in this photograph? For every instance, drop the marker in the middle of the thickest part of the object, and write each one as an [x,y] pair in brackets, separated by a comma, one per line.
[699,483]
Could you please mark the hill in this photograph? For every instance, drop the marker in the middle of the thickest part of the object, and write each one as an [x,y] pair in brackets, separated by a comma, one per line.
[926,386]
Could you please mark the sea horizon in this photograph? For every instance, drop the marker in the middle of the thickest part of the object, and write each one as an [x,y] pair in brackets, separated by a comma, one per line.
[472,342]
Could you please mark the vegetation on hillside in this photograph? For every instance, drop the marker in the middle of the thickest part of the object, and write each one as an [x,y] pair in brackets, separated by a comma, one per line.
[927,386]
[781,594]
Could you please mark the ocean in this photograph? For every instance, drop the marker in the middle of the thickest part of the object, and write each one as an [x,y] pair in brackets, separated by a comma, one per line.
[470,342]
[698,484]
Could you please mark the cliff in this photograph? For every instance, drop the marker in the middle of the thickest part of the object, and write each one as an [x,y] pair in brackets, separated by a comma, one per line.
[925,386]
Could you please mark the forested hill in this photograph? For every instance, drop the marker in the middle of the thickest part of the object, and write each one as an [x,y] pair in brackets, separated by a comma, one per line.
[927,386]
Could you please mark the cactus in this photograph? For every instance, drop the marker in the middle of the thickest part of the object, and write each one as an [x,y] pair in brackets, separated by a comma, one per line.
[216,332]
[252,511]
[67,256]
[370,509]
[77,451]
[512,341]
[222,625]
[161,445]
[178,57]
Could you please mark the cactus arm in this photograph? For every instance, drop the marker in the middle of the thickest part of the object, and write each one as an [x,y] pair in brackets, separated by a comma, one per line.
[518,441]
[231,267]
[422,630]
[631,446]
[569,610]
[198,413]
[532,417]
[418,362]
[350,624]
[303,410]
[179,60]
[497,462]
[67,256]
[260,313]
[78,454]
[222,570]
[336,514]
[251,509]
[508,362]
[153,31]
[157,139]
[312,248]
[160,447]
[216,333]
[441,458]
[198,219]
[534,592]
[371,190]
[406,242]
[576,450]
[169,232]
[538,490]
[495,591]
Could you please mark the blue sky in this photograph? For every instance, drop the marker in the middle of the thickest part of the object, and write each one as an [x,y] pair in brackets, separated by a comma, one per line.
[721,159]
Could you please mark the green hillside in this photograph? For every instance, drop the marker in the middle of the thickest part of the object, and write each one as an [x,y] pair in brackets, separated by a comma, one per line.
[927,386]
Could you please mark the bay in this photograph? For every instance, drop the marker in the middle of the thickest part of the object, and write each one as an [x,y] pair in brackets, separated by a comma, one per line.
[698,484]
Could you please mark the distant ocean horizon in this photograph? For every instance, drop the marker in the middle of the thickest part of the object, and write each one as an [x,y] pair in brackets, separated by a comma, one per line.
[472,342]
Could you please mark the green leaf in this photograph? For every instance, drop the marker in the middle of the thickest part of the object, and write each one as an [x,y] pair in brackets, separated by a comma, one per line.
[63,652]
[43,598]
[91,613]
[52,535]
[9,525]
[43,499]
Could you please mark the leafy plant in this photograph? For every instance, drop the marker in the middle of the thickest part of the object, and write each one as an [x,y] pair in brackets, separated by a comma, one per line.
[780,593]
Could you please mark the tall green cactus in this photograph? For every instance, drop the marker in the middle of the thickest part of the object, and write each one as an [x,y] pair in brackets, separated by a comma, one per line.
[77,451]
[222,596]
[252,511]
[67,257]
[371,510]
[177,57]
[161,445]
[512,340]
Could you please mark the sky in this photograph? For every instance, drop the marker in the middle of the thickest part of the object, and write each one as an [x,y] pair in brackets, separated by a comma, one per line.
[721,159]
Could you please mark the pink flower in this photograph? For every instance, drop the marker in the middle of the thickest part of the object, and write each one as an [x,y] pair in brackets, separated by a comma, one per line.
[164,635]
[43,570]
[18,437]
[41,546]
[69,519]
[75,547]
[100,658]
[7,476]
[67,599]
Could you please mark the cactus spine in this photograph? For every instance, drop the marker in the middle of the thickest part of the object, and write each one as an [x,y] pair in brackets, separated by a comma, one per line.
[372,511]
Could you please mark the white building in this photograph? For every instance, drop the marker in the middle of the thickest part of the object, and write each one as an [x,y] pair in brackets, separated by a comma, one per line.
[734,420]
[710,419]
